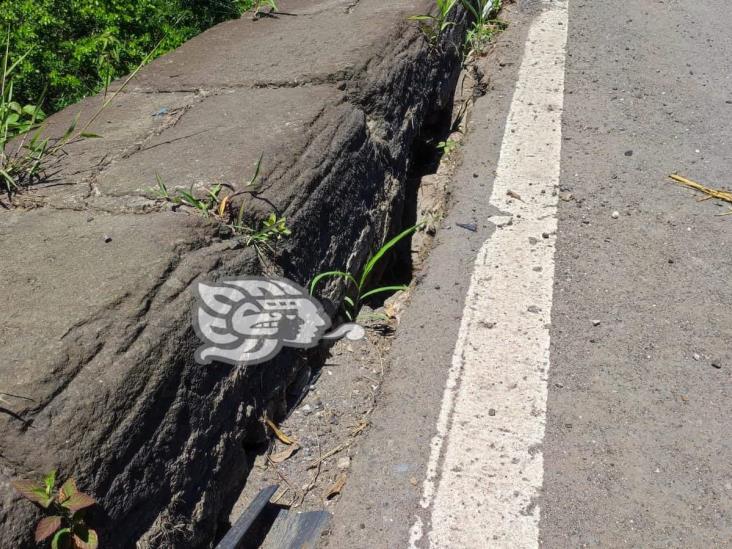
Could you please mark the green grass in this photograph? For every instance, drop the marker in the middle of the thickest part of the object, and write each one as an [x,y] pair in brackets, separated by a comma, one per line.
[480,33]
[484,26]
[357,288]
[216,204]
[433,25]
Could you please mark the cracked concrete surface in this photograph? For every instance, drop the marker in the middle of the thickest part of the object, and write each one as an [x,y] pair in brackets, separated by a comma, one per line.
[96,278]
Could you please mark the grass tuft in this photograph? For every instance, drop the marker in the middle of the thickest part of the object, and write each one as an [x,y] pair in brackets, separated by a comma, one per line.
[357,285]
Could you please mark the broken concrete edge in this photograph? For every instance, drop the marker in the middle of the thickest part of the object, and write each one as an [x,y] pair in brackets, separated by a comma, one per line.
[162,443]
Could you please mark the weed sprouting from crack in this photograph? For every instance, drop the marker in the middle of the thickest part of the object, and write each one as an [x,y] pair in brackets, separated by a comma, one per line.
[215,205]
[356,285]
[448,146]
[66,505]
[484,27]
[479,35]
[433,25]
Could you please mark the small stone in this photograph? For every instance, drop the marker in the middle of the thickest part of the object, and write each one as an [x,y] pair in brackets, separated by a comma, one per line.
[616,214]
[596,322]
[475,175]
[492,412]
[716,365]
[629,153]
[344,463]
[532,240]
[534,309]
[107,238]
[696,356]
[307,409]
[545,235]
[671,261]
[413,481]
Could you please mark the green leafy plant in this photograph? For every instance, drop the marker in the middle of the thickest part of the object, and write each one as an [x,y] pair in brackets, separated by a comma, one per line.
[213,205]
[110,52]
[15,118]
[448,146]
[484,27]
[433,25]
[80,45]
[206,206]
[24,150]
[66,507]
[357,285]
[262,239]
[212,202]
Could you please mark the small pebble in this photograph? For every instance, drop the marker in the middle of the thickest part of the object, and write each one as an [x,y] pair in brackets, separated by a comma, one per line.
[696,356]
[596,322]
[107,238]
[716,365]
[344,463]
[616,214]
[545,235]
[491,412]
[628,153]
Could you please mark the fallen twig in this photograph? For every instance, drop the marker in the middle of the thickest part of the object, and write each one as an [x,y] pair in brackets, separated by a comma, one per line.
[719,194]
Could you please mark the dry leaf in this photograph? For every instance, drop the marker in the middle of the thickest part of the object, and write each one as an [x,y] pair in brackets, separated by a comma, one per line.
[337,486]
[285,454]
[282,437]
[222,206]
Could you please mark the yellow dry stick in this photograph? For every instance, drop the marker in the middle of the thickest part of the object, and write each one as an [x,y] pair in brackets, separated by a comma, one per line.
[278,433]
[719,194]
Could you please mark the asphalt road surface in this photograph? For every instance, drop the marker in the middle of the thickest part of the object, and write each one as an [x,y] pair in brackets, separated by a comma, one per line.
[562,377]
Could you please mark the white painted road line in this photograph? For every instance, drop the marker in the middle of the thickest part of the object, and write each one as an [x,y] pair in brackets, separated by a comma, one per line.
[486,465]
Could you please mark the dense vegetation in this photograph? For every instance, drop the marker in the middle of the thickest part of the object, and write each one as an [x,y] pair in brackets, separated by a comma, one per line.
[79,45]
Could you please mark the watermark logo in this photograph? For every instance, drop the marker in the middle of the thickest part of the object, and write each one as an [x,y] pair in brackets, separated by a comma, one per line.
[249,320]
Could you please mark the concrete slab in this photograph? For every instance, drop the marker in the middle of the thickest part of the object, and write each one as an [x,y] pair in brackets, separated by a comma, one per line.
[96,335]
